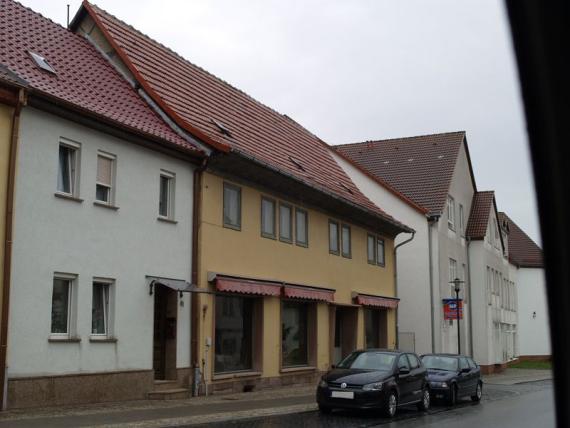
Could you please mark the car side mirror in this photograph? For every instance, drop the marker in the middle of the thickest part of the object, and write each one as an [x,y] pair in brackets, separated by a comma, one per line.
[403,371]
[465,370]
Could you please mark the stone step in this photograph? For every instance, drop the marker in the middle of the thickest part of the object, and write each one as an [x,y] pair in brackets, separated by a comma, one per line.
[169,394]
[165,385]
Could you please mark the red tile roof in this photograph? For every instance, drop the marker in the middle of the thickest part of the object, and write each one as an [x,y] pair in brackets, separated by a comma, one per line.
[84,79]
[227,118]
[419,167]
[479,216]
[523,251]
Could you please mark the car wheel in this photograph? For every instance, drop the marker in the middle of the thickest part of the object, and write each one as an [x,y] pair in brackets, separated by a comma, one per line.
[452,395]
[426,400]
[478,393]
[391,405]
[324,409]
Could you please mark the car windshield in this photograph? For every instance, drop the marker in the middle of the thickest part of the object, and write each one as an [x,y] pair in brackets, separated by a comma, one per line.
[440,363]
[368,361]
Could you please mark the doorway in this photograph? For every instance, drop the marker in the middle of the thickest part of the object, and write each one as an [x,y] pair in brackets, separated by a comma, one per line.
[344,322]
[164,343]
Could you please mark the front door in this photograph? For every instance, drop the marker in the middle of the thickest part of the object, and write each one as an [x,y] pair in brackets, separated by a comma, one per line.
[164,343]
[345,321]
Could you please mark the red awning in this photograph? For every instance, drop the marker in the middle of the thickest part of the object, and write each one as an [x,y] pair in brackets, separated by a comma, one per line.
[377,301]
[247,286]
[298,292]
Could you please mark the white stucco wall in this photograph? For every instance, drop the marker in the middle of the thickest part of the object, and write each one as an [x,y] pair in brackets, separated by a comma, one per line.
[58,235]
[414,311]
[534,334]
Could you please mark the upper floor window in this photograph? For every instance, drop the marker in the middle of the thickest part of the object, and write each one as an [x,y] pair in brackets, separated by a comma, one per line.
[285,222]
[68,168]
[450,212]
[301,227]
[452,270]
[375,250]
[334,238]
[104,187]
[232,206]
[166,195]
[461,221]
[268,217]
[346,241]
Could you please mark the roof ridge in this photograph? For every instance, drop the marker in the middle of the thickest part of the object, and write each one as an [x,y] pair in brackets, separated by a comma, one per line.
[193,64]
[437,134]
[485,191]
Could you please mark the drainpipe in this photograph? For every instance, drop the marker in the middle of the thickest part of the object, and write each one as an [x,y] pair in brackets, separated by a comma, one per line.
[8,248]
[396,282]
[432,220]
[195,304]
[468,239]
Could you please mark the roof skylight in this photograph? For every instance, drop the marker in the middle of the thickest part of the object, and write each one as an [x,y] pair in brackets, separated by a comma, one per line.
[221,127]
[41,62]
[296,163]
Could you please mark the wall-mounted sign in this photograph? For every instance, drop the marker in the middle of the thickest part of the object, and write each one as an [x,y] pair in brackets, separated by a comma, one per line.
[450,309]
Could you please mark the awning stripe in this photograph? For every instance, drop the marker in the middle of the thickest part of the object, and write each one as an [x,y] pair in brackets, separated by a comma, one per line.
[247,286]
[308,293]
[377,301]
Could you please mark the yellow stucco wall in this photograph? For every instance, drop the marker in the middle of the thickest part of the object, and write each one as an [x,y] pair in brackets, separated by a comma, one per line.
[246,253]
[5,133]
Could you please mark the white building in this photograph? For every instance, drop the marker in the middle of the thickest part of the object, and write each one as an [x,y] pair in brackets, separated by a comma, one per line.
[104,203]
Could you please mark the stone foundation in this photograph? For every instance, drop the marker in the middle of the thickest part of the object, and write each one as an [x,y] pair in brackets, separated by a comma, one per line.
[544,358]
[79,388]
[256,383]
[493,368]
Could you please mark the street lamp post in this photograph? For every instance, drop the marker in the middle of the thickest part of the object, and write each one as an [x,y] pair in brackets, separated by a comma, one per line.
[456,287]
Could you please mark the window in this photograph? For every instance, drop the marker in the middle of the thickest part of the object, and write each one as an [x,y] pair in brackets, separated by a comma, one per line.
[371,249]
[301,228]
[489,285]
[232,206]
[294,334]
[285,223]
[346,244]
[61,306]
[452,270]
[166,197]
[403,362]
[371,327]
[67,177]
[268,218]
[380,256]
[104,184]
[471,363]
[234,334]
[461,221]
[414,362]
[450,213]
[100,308]
[463,364]
[333,237]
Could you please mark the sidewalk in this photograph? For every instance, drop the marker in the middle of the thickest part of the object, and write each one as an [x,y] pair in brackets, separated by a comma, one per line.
[514,376]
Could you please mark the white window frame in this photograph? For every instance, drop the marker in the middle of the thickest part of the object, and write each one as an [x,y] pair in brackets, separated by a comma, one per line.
[74,168]
[461,221]
[171,177]
[452,270]
[111,186]
[450,212]
[71,295]
[108,308]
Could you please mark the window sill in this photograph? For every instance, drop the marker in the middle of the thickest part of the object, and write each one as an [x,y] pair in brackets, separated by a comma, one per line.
[64,339]
[68,197]
[166,220]
[297,369]
[223,376]
[105,205]
[232,227]
[102,339]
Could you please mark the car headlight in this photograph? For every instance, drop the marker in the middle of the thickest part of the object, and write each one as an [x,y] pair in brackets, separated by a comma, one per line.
[323,383]
[376,386]
[439,384]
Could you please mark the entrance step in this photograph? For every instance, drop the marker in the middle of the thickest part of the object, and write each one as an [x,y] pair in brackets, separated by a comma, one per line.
[169,394]
[165,385]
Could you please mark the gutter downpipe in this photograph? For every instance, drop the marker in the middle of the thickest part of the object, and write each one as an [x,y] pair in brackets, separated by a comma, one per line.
[396,282]
[432,220]
[468,239]
[195,304]
[8,248]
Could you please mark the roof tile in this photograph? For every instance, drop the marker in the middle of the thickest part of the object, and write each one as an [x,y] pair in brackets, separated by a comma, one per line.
[479,216]
[523,251]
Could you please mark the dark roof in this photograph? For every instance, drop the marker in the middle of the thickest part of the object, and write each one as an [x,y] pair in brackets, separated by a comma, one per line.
[479,216]
[226,118]
[523,251]
[83,78]
[419,167]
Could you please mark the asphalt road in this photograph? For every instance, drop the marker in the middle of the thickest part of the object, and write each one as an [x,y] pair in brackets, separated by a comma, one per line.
[528,405]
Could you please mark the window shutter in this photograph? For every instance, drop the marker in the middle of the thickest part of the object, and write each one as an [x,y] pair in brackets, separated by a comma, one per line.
[104,170]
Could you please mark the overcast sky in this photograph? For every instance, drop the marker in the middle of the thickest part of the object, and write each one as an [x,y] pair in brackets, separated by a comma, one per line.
[361,70]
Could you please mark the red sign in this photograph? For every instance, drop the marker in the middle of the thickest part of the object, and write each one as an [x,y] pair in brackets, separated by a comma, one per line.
[450,309]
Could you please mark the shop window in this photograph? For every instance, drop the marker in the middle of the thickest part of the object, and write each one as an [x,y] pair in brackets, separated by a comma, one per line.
[294,334]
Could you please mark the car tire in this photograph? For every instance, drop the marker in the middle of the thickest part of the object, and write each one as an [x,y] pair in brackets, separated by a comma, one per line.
[324,409]
[391,405]
[478,393]
[423,405]
[452,400]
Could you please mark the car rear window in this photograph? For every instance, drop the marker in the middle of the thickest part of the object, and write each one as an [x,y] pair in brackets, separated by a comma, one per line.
[438,362]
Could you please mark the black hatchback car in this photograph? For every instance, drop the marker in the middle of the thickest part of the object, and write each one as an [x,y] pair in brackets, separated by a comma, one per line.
[375,379]
[453,376]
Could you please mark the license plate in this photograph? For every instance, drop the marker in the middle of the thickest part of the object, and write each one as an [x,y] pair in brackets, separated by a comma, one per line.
[342,394]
